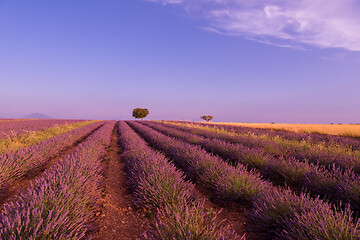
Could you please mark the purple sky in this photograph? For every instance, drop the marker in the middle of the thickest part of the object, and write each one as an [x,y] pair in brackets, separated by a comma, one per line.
[273,61]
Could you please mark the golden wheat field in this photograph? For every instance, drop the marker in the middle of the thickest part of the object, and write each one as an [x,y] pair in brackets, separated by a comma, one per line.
[350,130]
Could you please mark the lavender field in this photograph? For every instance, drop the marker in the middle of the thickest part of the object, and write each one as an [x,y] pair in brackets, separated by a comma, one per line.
[178,180]
[13,128]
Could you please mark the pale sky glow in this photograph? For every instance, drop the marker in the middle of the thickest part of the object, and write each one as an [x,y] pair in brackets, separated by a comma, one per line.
[282,61]
[320,23]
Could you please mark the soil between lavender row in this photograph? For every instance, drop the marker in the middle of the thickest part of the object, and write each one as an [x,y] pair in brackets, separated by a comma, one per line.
[10,193]
[116,218]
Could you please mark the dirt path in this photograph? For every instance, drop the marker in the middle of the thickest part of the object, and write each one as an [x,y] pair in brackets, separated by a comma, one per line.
[116,219]
[10,193]
[232,214]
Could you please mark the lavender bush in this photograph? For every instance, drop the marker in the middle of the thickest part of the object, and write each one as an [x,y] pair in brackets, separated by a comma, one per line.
[208,170]
[336,185]
[14,128]
[156,184]
[282,215]
[313,138]
[270,207]
[301,150]
[16,164]
[189,220]
[59,204]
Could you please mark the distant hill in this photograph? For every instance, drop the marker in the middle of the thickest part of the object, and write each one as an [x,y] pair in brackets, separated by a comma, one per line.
[37,116]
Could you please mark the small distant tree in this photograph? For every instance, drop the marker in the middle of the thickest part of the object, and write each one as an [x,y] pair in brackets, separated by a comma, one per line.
[140,113]
[207,118]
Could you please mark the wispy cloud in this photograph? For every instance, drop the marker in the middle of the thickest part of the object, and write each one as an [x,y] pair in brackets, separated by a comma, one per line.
[320,23]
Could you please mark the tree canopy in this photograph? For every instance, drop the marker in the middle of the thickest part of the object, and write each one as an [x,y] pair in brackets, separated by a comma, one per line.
[207,118]
[140,113]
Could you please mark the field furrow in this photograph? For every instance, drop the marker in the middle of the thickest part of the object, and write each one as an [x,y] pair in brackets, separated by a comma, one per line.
[311,137]
[15,186]
[159,188]
[60,204]
[116,218]
[335,186]
[16,165]
[12,128]
[318,154]
[274,212]
[12,144]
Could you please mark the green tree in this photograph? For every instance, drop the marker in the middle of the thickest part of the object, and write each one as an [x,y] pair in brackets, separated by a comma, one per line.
[140,113]
[207,118]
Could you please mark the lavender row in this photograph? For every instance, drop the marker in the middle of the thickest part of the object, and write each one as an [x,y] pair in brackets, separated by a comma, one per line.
[15,165]
[274,212]
[16,128]
[312,137]
[317,155]
[59,204]
[336,186]
[156,184]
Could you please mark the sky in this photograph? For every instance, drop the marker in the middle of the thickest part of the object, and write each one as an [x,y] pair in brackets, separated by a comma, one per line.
[238,60]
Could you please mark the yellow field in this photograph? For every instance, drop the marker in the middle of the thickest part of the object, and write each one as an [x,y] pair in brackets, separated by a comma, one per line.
[350,130]
[31,138]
